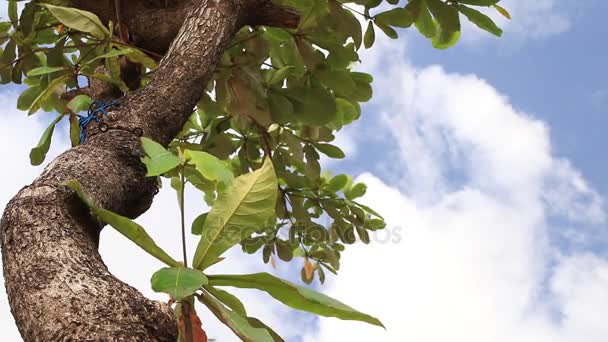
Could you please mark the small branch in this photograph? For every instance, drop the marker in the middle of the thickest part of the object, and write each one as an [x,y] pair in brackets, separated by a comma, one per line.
[270,14]
[182,214]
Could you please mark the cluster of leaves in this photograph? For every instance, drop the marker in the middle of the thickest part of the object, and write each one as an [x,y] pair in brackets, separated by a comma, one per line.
[52,49]
[437,20]
[253,143]
[240,209]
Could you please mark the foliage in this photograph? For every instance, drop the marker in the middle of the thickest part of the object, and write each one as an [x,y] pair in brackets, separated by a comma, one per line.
[254,140]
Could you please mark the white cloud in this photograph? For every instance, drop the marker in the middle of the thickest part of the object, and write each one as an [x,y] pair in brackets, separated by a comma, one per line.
[474,207]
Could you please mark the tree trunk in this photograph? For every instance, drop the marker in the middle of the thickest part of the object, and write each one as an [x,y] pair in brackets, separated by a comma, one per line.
[58,287]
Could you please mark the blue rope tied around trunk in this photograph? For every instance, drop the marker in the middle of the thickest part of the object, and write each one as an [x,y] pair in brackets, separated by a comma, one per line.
[93,114]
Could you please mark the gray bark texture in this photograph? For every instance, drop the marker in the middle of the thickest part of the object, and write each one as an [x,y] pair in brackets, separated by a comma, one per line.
[58,286]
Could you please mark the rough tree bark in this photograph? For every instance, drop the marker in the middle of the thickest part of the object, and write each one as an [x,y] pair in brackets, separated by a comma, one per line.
[58,286]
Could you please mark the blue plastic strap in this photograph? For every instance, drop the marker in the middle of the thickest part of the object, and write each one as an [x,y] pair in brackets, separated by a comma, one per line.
[95,109]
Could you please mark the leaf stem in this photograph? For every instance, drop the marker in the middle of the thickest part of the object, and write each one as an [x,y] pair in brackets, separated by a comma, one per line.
[182,214]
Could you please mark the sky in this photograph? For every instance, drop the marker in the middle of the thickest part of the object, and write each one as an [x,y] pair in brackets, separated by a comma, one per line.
[486,161]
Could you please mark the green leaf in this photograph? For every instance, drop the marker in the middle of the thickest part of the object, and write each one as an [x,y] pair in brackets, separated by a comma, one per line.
[43,70]
[281,109]
[330,151]
[228,299]
[178,282]
[424,21]
[284,250]
[27,97]
[446,15]
[481,20]
[238,212]
[12,13]
[363,91]
[198,223]
[296,297]
[356,191]
[398,17]
[278,76]
[112,53]
[445,39]
[339,81]
[237,323]
[370,35]
[38,153]
[74,130]
[389,31]
[259,324]
[79,20]
[503,11]
[79,103]
[45,94]
[125,226]
[158,160]
[210,167]
[312,106]
[337,183]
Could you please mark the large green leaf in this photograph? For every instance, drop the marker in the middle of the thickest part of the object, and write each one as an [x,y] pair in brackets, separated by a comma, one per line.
[43,70]
[259,324]
[210,167]
[158,159]
[228,299]
[481,20]
[296,297]
[79,103]
[370,35]
[240,325]
[178,282]
[46,94]
[79,20]
[423,20]
[331,151]
[38,153]
[238,212]
[446,15]
[398,17]
[312,106]
[445,39]
[126,227]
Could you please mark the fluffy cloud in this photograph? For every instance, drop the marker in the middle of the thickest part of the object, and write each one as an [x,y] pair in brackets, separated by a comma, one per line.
[472,215]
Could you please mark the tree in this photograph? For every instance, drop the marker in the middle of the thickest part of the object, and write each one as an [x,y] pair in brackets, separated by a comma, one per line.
[238,98]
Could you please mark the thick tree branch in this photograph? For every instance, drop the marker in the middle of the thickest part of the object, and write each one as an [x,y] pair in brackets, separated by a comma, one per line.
[58,287]
[153,26]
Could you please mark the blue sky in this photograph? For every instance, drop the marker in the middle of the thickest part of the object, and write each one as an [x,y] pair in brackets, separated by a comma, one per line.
[486,160]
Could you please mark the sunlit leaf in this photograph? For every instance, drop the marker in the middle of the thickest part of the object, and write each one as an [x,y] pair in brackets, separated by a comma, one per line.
[79,20]
[481,20]
[238,324]
[238,212]
[296,297]
[38,153]
[158,159]
[178,282]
